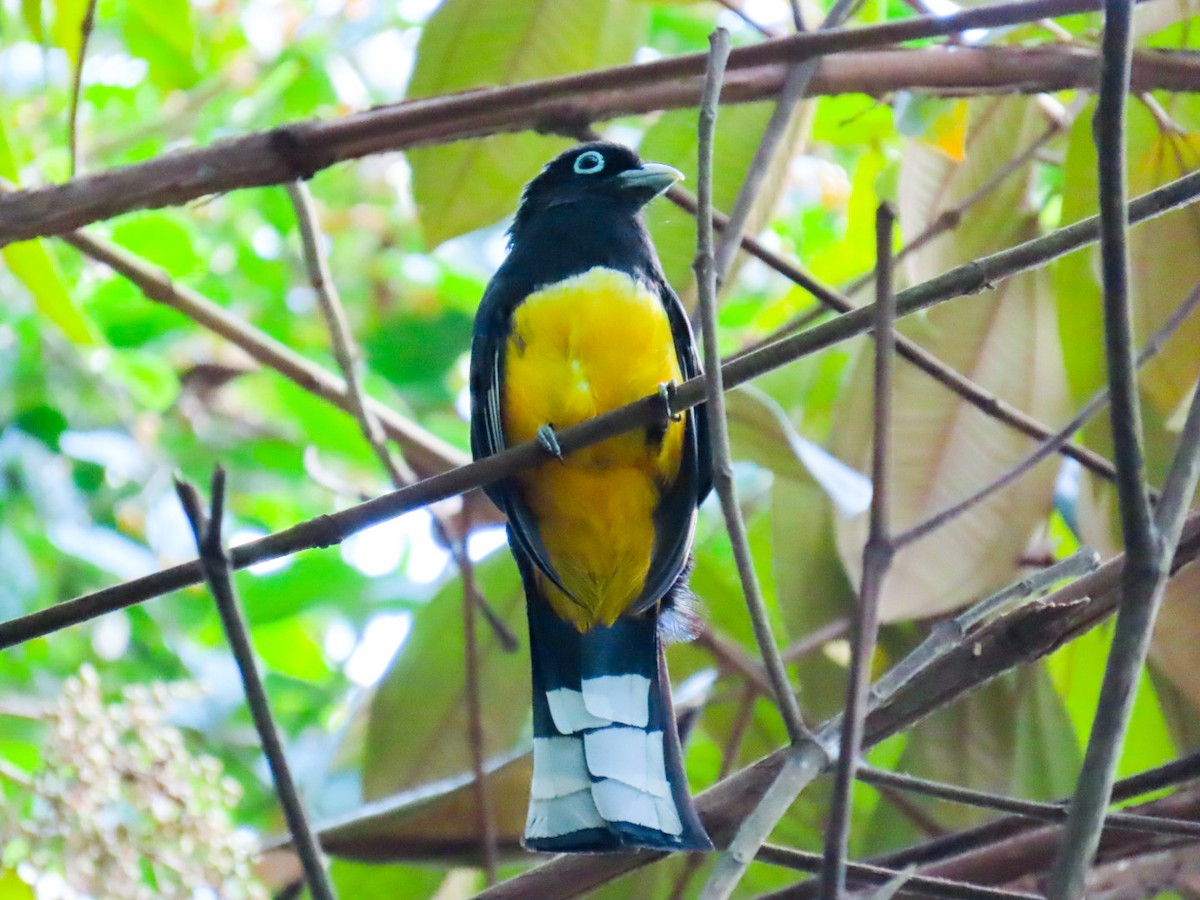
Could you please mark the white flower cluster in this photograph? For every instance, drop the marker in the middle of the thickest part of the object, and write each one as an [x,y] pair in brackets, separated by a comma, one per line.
[121,809]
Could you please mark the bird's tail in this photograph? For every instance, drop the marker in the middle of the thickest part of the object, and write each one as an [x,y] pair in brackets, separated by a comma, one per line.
[607,768]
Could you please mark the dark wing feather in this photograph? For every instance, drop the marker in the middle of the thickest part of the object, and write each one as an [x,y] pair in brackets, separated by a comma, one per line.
[674,519]
[493,323]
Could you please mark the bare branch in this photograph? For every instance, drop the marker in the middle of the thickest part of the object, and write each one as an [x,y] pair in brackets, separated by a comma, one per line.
[1145,577]
[215,562]
[300,149]
[722,469]
[85,36]
[877,559]
[793,91]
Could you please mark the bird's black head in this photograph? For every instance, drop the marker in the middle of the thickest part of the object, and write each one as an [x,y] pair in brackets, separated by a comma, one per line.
[596,172]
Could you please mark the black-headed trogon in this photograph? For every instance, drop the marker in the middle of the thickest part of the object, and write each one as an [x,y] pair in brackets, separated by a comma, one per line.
[579,320]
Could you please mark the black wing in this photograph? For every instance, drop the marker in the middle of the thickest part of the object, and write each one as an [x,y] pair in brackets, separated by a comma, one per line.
[674,519]
[493,324]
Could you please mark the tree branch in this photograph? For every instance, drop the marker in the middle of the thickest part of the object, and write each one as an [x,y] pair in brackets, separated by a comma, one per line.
[722,469]
[215,563]
[877,559]
[300,149]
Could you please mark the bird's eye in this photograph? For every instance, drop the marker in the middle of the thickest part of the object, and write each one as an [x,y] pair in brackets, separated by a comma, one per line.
[589,162]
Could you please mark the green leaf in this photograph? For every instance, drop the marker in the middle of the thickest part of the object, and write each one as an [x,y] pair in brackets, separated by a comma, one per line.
[1164,267]
[375,882]
[477,43]
[35,268]
[13,887]
[1077,671]
[418,719]
[31,12]
[149,378]
[67,29]
[162,33]
[160,239]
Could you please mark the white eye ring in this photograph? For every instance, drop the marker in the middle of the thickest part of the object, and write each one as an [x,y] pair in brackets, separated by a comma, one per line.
[589,163]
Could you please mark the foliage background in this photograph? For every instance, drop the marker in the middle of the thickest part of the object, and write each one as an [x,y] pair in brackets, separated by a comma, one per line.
[104,395]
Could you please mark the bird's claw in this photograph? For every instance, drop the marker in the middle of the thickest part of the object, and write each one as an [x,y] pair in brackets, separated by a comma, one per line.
[548,440]
[666,391]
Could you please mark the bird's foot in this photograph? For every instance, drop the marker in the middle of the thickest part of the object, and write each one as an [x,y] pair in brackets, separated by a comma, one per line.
[547,438]
[666,392]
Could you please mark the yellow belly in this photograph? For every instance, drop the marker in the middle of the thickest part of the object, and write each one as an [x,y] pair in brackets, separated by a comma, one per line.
[579,348]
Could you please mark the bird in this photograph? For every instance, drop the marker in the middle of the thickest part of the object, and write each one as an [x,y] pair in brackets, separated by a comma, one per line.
[578,320]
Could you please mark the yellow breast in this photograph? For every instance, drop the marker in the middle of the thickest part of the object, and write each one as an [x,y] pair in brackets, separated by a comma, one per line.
[579,348]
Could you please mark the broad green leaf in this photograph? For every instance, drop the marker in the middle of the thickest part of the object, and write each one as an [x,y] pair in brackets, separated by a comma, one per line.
[1174,646]
[13,887]
[160,239]
[1077,671]
[417,732]
[374,882]
[812,585]
[944,449]
[31,12]
[162,33]
[437,821]
[35,268]
[672,140]
[67,28]
[1164,268]
[289,647]
[484,43]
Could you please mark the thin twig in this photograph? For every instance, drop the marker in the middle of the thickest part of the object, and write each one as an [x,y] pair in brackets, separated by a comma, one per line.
[333,528]
[1098,401]
[85,36]
[401,475]
[798,17]
[983,836]
[777,127]
[215,562]
[869,874]
[722,474]
[737,10]
[1145,576]
[949,633]
[877,558]
[1047,812]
